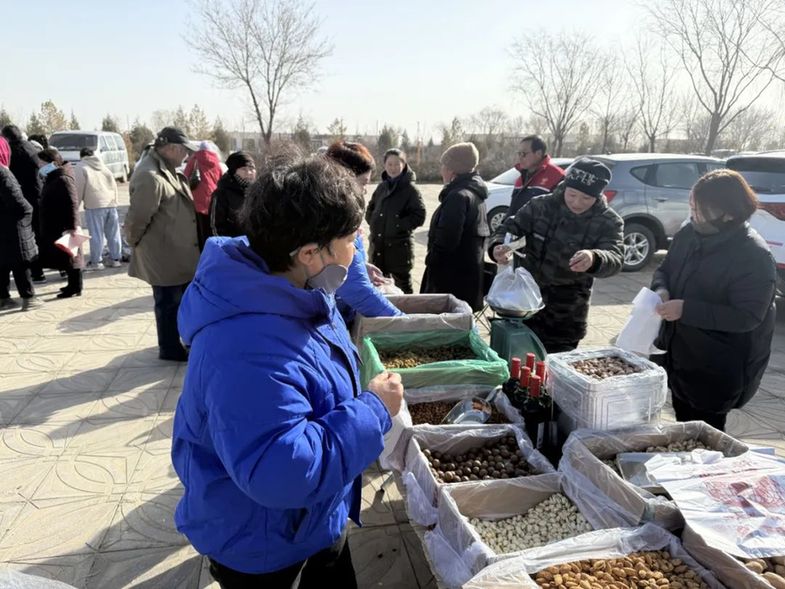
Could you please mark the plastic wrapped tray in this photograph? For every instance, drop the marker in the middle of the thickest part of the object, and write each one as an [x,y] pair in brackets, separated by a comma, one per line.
[587,476]
[424,312]
[395,458]
[486,369]
[612,403]
[422,487]
[613,543]
[490,500]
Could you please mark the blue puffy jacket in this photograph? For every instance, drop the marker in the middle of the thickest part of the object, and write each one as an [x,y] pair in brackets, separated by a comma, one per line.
[358,295]
[272,430]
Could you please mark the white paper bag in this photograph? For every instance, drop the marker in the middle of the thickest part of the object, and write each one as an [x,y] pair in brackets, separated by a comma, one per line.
[71,242]
[643,324]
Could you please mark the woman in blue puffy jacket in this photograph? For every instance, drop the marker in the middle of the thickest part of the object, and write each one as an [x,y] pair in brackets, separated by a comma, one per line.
[273,431]
[358,295]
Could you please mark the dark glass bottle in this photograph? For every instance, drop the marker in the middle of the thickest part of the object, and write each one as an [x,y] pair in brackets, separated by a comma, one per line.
[536,412]
[518,398]
[509,387]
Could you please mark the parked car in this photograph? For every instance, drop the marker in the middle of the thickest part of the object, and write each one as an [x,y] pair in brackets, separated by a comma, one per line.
[651,192]
[500,192]
[765,173]
[110,147]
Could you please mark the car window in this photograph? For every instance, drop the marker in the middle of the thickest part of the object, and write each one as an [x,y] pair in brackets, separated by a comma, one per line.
[710,167]
[640,172]
[118,140]
[73,141]
[764,175]
[508,178]
[676,175]
[104,144]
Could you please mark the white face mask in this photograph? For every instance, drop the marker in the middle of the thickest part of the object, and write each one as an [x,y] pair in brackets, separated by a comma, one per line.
[330,278]
[47,169]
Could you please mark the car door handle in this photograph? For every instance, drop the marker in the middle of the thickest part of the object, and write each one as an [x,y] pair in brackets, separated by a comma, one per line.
[661,199]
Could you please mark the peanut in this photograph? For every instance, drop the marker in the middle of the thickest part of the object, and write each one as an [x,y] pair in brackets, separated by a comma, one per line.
[775,580]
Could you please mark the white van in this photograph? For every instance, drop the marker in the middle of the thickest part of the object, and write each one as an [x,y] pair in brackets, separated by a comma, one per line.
[110,147]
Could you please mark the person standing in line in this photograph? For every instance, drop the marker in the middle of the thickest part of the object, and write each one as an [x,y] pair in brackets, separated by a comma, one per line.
[229,196]
[203,171]
[395,211]
[59,215]
[97,191]
[24,166]
[718,286]
[17,242]
[459,229]
[358,294]
[161,229]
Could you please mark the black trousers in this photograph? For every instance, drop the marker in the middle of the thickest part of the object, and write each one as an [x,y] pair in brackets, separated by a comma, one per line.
[22,279]
[402,278]
[167,303]
[686,412]
[203,229]
[331,567]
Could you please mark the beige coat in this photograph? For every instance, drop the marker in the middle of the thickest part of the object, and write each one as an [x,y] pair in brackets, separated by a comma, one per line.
[95,184]
[161,225]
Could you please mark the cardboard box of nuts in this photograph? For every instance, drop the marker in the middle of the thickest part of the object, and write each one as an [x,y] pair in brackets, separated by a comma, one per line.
[728,569]
[606,388]
[424,312]
[433,358]
[512,455]
[428,407]
[588,466]
[495,520]
[635,557]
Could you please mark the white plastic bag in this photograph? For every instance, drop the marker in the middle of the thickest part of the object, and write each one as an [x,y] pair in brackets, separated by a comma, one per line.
[643,324]
[400,423]
[514,290]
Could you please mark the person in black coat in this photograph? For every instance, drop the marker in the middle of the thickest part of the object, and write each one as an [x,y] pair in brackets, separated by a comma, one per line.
[59,215]
[229,195]
[459,228]
[17,244]
[717,284]
[395,211]
[24,166]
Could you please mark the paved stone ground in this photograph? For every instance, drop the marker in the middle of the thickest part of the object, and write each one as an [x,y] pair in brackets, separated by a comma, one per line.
[87,491]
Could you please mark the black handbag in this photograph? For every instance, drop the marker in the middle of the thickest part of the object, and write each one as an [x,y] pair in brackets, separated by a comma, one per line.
[195,177]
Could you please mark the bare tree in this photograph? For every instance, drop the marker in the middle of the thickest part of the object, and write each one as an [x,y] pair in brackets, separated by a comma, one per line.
[750,131]
[609,101]
[694,124]
[557,75]
[490,123]
[628,127]
[652,78]
[270,48]
[729,55]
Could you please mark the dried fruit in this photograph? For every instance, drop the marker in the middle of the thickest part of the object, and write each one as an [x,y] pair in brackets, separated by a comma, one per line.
[435,411]
[604,367]
[413,357]
[497,459]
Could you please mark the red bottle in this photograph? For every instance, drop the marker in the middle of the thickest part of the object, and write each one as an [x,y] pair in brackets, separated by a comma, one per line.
[531,359]
[511,385]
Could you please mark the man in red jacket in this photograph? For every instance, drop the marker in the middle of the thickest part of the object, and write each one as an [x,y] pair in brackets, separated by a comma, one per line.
[538,174]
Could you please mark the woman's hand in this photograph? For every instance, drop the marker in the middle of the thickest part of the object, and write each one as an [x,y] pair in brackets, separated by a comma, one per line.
[375,274]
[671,310]
[582,261]
[502,254]
[387,386]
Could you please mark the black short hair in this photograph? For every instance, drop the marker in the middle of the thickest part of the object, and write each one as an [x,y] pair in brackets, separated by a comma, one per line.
[537,143]
[51,155]
[725,192]
[354,156]
[40,139]
[86,152]
[399,153]
[296,201]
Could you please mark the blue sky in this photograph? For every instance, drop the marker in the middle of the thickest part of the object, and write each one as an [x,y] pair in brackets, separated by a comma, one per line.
[401,62]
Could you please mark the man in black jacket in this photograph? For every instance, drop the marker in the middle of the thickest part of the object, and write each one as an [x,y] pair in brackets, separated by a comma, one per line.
[24,166]
[572,237]
[229,195]
[456,239]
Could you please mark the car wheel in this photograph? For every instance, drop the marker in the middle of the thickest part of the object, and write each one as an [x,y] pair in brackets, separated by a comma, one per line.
[496,217]
[639,246]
